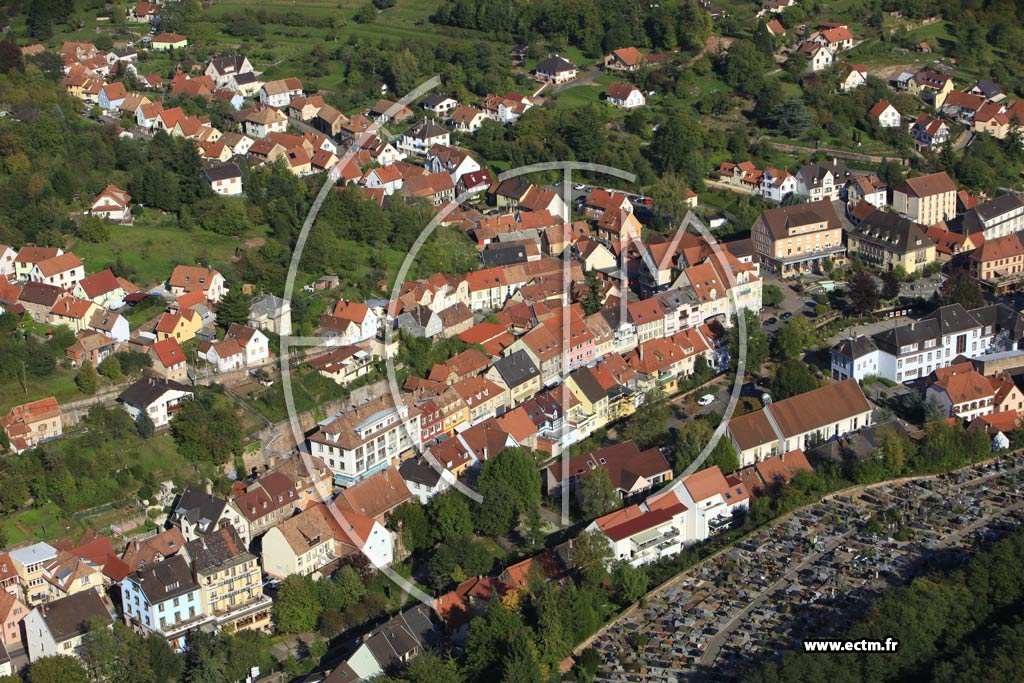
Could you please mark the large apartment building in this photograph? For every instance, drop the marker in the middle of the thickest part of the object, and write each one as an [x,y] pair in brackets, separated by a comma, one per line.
[365,439]
[796,239]
[914,349]
[927,199]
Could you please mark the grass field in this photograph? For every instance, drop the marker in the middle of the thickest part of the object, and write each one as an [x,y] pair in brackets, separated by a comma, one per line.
[61,385]
[154,245]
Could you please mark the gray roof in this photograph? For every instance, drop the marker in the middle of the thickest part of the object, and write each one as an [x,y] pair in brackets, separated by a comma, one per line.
[589,385]
[989,88]
[553,65]
[200,508]
[219,549]
[164,580]
[222,172]
[856,347]
[516,368]
[953,318]
[143,393]
[891,232]
[419,471]
[407,633]
[996,207]
[503,255]
[431,101]
[814,174]
[425,130]
[245,78]
[227,63]
[904,335]
[267,304]
[33,554]
[68,617]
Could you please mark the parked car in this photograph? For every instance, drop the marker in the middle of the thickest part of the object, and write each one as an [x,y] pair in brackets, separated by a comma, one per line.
[706,400]
[771,321]
[786,316]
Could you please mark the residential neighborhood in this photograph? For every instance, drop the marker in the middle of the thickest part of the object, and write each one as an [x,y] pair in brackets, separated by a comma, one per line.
[545,343]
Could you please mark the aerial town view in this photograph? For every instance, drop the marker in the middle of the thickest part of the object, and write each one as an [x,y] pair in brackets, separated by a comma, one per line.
[476,341]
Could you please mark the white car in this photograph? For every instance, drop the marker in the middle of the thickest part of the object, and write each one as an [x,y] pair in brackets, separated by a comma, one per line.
[706,400]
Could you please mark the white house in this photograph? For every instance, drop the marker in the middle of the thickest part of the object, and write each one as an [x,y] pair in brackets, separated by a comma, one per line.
[856,76]
[186,279]
[797,422]
[279,93]
[58,627]
[387,178]
[114,325]
[114,204]
[163,599]
[440,105]
[885,115]
[224,68]
[638,534]
[64,271]
[421,137]
[555,70]
[349,323]
[819,57]
[157,397]
[7,255]
[915,349]
[102,288]
[967,395]
[451,160]
[225,180]
[271,314]
[711,500]
[625,96]
[423,479]
[777,184]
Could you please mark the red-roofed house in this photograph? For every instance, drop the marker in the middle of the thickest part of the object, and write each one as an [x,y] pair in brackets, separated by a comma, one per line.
[711,500]
[350,322]
[623,59]
[966,395]
[169,360]
[885,115]
[102,288]
[32,423]
[64,271]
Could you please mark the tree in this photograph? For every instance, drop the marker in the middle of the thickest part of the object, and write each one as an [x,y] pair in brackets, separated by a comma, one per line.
[411,518]
[10,57]
[93,229]
[87,379]
[771,295]
[862,292]
[591,554]
[596,493]
[207,430]
[450,516]
[592,298]
[243,650]
[429,668]
[297,606]
[961,288]
[144,425]
[510,486]
[57,669]
[233,308]
[793,338]
[890,285]
[630,582]
[649,423]
[790,118]
[793,377]
[757,342]
[691,438]
[205,662]
[110,368]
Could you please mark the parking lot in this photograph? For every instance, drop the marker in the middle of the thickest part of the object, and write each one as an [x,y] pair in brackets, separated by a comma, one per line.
[808,576]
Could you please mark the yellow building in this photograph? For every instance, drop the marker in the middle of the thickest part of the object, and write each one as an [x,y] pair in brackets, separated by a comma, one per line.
[927,199]
[179,326]
[229,579]
[794,239]
[890,241]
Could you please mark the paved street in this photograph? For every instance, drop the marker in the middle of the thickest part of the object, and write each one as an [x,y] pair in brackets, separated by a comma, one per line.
[808,576]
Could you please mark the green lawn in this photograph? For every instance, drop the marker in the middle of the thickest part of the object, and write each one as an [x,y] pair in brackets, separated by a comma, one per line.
[61,385]
[43,524]
[153,246]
